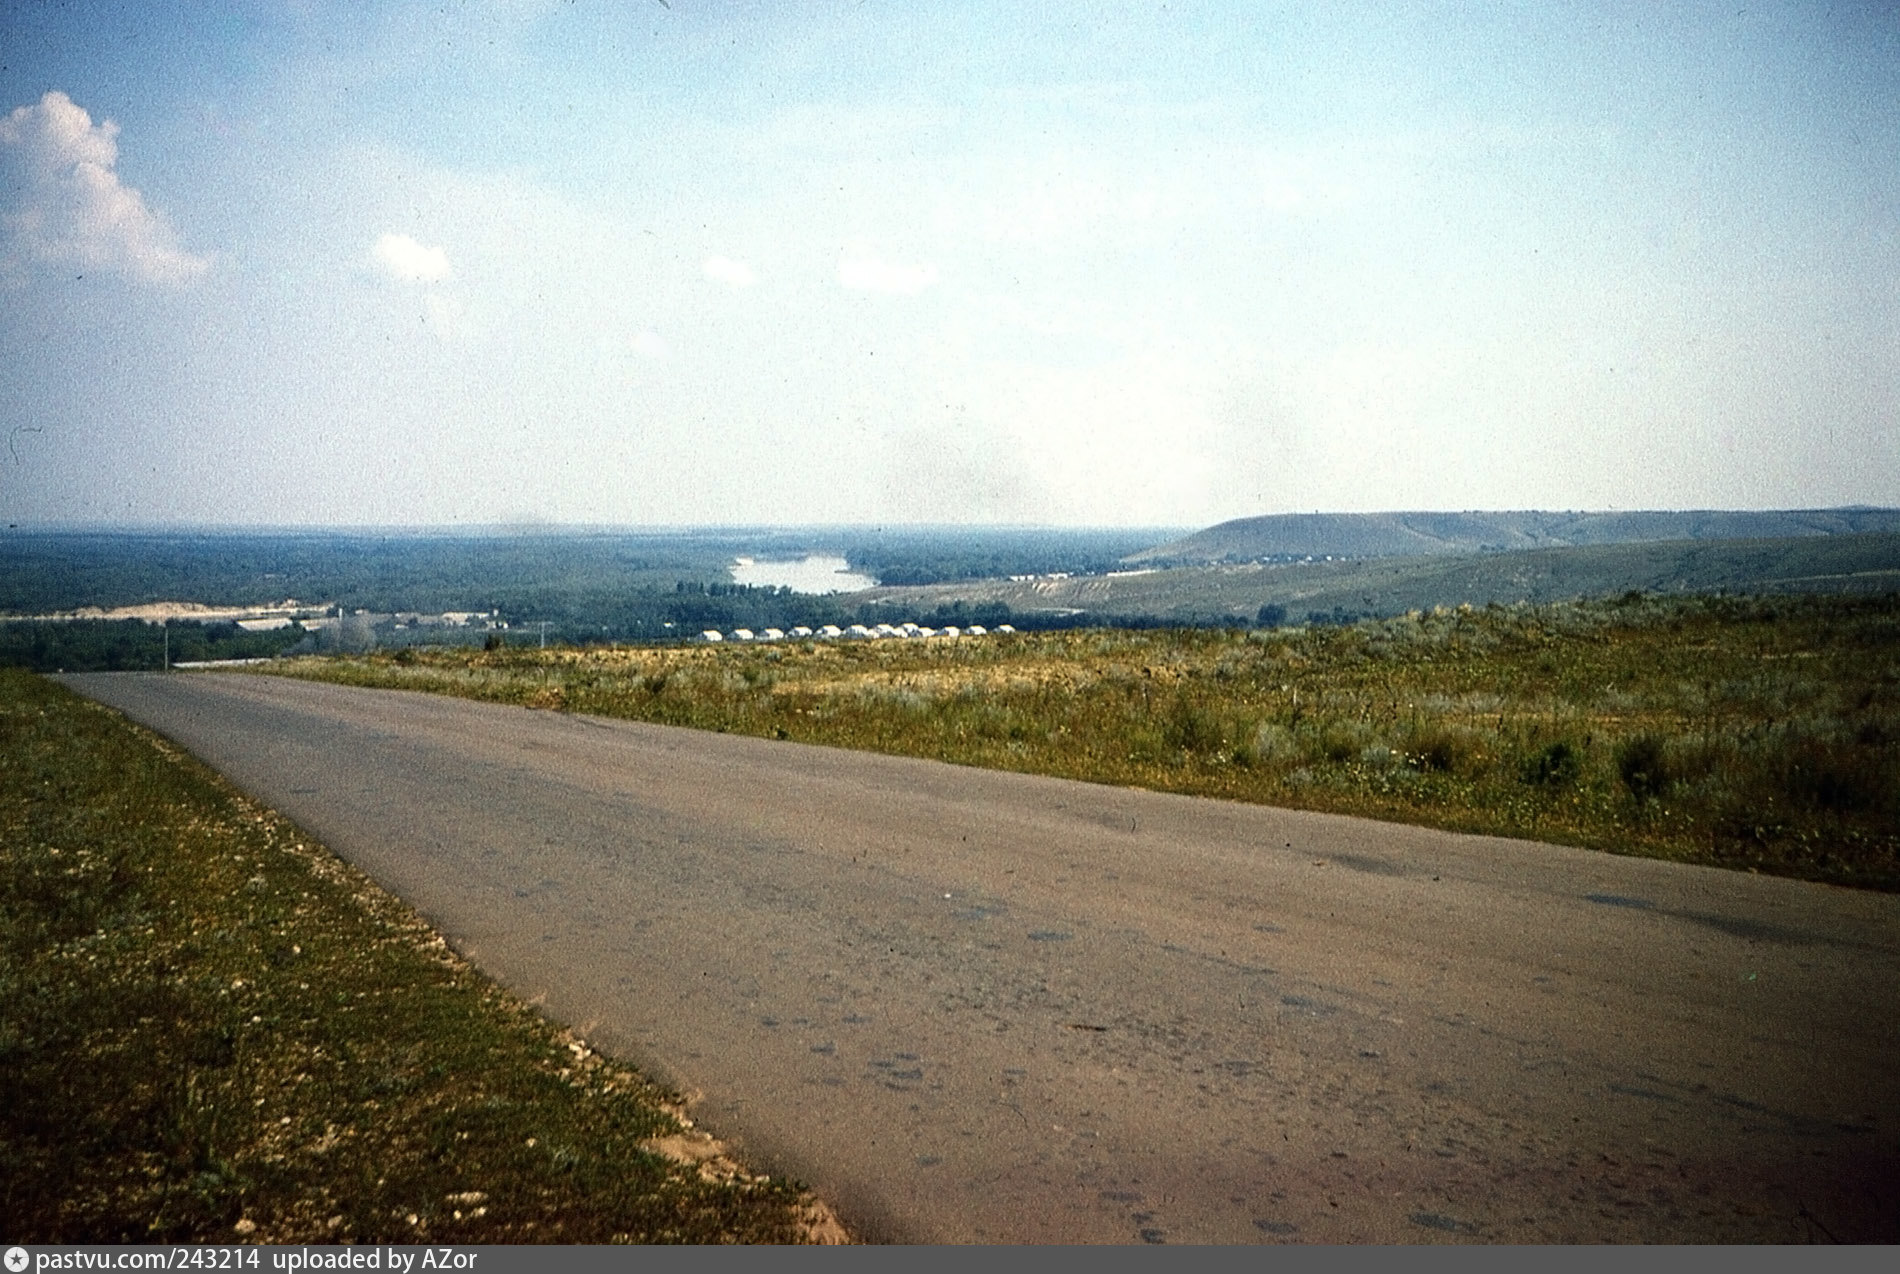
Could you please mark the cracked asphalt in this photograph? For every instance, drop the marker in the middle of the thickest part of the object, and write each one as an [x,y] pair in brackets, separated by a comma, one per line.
[973,1006]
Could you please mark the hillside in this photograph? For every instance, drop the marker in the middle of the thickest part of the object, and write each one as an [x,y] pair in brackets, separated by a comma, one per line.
[1369,535]
[1857,563]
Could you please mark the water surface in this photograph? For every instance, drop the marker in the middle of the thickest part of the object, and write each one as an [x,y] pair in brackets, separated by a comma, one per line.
[813,573]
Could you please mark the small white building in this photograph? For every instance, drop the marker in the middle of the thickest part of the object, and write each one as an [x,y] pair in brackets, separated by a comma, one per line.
[772,634]
[976,630]
[801,631]
[831,631]
[743,634]
[712,634]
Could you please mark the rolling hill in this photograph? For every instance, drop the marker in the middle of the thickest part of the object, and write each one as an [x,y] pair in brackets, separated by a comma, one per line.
[1863,562]
[1296,536]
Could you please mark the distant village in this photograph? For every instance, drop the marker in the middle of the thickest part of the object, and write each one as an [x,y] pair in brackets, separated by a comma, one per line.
[312,617]
[327,627]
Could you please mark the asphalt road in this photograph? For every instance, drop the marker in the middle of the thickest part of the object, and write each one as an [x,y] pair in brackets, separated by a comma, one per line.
[976,1006]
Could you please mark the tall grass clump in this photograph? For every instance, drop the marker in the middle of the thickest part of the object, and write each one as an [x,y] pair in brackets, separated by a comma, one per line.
[1643,769]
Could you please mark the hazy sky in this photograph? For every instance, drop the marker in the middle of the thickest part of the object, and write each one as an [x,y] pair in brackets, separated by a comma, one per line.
[887,260]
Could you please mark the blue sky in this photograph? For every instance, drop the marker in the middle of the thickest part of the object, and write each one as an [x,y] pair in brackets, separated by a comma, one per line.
[555,261]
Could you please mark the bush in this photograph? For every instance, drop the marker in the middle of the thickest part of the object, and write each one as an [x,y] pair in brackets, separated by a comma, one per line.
[1442,748]
[1820,776]
[1192,728]
[1644,769]
[1557,765]
[1339,742]
[1274,742]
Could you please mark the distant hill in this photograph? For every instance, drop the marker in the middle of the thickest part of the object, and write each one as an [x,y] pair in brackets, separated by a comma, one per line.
[1296,536]
[1392,585]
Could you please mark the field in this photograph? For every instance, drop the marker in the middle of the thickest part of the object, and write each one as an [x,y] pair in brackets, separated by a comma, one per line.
[1759,734]
[212,1030]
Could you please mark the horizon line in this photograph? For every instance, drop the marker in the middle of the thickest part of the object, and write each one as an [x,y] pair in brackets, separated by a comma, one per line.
[873,527]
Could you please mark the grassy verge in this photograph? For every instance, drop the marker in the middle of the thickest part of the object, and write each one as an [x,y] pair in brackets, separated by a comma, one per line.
[1761,734]
[212,1029]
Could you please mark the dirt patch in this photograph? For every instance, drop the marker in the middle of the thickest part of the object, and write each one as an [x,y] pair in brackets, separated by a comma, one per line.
[694,1146]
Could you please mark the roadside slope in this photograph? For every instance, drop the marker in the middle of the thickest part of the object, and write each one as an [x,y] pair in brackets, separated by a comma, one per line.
[211,1030]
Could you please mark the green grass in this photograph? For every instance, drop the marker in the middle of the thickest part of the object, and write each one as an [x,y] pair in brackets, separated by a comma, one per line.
[211,1029]
[1759,734]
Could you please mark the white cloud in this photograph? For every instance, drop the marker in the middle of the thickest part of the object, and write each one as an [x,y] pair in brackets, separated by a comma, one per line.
[734,274]
[870,274]
[64,204]
[650,344]
[407,259]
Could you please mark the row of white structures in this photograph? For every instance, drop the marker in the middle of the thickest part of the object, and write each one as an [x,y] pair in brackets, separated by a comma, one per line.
[857,632]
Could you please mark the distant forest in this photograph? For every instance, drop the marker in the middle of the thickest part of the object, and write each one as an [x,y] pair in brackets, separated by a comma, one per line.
[912,555]
[559,576]
[132,645]
[584,587]
[581,587]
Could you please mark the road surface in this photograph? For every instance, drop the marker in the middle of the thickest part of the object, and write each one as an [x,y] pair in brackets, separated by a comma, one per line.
[966,1005]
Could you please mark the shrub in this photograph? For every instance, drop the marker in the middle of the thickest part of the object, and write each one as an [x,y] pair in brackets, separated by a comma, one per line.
[1557,765]
[1644,769]
[1442,748]
[1819,776]
[1192,728]
[1274,742]
[1339,742]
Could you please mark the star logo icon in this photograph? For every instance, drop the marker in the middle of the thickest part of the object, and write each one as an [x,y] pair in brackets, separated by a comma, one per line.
[16,1259]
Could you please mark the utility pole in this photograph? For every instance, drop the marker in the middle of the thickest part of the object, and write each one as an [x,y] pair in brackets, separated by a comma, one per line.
[165,626]
[544,634]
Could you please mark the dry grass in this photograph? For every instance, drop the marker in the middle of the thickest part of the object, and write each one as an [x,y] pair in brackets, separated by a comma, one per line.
[1756,734]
